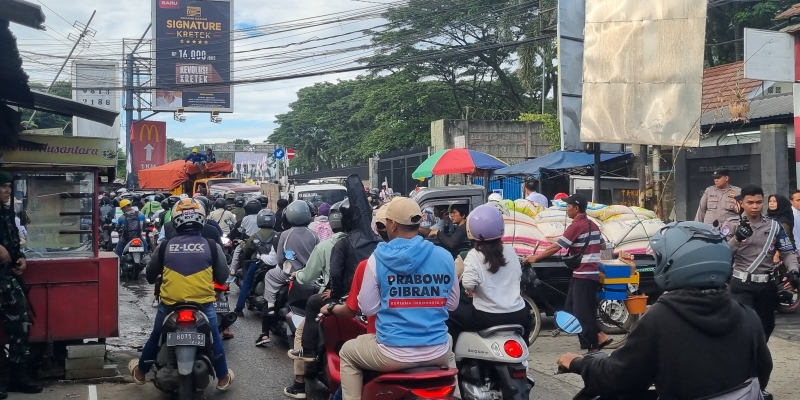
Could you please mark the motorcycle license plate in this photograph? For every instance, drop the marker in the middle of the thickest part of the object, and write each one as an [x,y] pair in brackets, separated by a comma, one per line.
[185,339]
[135,249]
[115,240]
[221,306]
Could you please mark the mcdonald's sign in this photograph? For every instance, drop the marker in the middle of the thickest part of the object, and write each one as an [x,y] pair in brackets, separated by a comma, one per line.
[148,144]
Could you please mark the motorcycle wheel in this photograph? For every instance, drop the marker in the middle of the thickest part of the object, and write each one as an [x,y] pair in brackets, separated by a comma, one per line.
[619,313]
[785,308]
[536,321]
[186,387]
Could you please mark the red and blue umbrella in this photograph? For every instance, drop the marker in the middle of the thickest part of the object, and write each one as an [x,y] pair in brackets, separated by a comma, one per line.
[457,161]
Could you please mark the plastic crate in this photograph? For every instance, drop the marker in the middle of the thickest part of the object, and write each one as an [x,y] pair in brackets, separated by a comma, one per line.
[615,269]
[613,292]
[633,279]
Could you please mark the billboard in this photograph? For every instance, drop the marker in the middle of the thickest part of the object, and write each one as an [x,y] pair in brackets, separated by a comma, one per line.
[60,150]
[768,55]
[643,71]
[101,77]
[192,44]
[148,144]
[569,44]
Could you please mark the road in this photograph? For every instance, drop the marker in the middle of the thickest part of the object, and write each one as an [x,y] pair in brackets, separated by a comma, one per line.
[263,372]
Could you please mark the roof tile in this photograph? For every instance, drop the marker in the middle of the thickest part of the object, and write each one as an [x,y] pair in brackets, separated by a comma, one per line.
[722,83]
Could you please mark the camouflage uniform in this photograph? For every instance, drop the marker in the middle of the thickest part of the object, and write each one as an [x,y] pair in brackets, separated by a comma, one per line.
[13,304]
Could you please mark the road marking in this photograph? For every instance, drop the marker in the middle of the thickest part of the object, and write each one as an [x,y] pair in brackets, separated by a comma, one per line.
[92,392]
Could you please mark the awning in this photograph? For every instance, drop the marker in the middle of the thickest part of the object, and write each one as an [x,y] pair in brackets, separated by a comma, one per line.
[558,160]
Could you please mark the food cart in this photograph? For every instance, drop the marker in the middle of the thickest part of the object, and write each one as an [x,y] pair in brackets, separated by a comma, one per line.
[73,286]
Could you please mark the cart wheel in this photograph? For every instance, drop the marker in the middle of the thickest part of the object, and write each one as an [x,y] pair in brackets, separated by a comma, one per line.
[536,321]
[617,311]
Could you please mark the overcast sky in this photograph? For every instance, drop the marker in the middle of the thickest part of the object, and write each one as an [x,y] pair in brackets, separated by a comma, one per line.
[255,105]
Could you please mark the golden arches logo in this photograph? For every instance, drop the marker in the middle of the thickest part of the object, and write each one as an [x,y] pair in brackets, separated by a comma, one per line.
[150,129]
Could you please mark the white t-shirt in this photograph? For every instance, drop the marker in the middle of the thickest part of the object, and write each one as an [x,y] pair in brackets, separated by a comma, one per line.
[497,292]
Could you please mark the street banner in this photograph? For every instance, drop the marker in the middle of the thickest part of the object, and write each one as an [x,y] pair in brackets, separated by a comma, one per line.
[148,144]
[60,150]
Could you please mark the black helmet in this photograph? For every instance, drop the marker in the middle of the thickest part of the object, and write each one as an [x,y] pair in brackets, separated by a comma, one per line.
[298,213]
[690,255]
[172,200]
[312,207]
[341,216]
[158,197]
[266,219]
[239,201]
[220,203]
[252,207]
[137,198]
[264,200]
[231,195]
[205,202]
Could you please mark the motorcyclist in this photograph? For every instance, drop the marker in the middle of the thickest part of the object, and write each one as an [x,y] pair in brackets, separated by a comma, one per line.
[243,229]
[695,341]
[224,218]
[171,201]
[321,226]
[153,206]
[207,231]
[131,222]
[294,250]
[136,202]
[188,277]
[264,200]
[258,245]
[412,334]
[490,269]
[238,206]
[280,226]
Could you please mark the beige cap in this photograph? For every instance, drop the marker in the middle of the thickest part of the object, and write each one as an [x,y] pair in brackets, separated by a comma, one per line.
[380,216]
[404,211]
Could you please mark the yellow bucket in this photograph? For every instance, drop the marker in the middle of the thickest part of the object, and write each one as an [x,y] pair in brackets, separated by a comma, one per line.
[636,304]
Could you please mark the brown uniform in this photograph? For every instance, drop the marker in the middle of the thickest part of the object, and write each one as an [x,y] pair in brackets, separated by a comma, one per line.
[717,204]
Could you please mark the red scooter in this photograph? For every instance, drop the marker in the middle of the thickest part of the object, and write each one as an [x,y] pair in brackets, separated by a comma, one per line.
[419,383]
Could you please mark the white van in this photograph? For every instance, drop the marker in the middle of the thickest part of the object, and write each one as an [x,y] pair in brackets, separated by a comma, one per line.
[318,194]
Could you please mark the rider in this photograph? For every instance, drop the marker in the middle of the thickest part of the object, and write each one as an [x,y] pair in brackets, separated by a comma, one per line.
[222,216]
[187,277]
[410,284]
[171,201]
[238,207]
[207,207]
[132,223]
[259,243]
[264,200]
[695,341]
[294,250]
[489,270]
[321,226]
[244,228]
[153,206]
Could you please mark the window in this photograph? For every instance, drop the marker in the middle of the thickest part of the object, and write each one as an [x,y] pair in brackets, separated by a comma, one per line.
[317,197]
[60,207]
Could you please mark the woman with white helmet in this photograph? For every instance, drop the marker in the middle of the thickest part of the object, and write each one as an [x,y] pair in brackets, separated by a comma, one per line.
[491,272]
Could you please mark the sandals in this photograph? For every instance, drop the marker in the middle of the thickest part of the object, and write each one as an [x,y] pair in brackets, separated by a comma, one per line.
[263,340]
[227,334]
[230,381]
[608,341]
[132,365]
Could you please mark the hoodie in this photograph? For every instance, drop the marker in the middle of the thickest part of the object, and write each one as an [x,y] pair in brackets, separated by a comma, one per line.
[691,344]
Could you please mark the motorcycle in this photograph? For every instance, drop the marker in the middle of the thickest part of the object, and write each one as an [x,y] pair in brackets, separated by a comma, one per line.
[133,258]
[290,306]
[788,300]
[183,364]
[417,383]
[225,318]
[255,299]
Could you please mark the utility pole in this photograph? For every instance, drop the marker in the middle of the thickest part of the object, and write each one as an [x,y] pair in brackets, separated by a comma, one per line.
[78,41]
[129,108]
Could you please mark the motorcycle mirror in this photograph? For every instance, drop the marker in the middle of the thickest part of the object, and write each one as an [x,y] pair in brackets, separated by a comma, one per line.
[568,323]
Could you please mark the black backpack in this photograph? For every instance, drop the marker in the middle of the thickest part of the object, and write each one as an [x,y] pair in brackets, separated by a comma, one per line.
[132,227]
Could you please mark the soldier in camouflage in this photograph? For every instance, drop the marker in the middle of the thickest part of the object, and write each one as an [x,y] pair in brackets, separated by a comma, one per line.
[13,304]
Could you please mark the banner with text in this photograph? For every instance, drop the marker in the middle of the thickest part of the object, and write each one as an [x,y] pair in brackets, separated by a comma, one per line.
[60,150]
[193,55]
[148,144]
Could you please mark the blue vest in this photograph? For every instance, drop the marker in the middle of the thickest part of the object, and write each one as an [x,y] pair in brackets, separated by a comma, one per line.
[414,306]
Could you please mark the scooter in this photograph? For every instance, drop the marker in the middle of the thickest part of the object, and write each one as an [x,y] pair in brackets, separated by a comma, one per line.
[183,364]
[255,299]
[225,317]
[133,258]
[417,383]
[290,306]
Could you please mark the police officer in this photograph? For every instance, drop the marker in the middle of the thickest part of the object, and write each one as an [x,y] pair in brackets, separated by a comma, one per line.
[719,201]
[13,301]
[754,239]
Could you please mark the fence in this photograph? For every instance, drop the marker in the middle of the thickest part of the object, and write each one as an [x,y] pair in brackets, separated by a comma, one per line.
[511,186]
[396,167]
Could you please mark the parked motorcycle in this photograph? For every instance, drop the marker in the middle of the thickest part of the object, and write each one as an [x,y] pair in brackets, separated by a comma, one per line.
[183,364]
[133,259]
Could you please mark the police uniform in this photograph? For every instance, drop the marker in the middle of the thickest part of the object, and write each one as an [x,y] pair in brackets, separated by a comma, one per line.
[753,283]
[717,204]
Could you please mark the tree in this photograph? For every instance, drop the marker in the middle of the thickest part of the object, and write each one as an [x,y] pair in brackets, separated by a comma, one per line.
[176,150]
[43,120]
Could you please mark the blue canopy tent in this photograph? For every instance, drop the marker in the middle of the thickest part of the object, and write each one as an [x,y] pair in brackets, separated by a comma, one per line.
[557,161]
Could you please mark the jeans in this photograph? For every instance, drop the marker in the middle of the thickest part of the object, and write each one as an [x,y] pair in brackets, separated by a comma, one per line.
[150,351]
[249,277]
[310,339]
[122,243]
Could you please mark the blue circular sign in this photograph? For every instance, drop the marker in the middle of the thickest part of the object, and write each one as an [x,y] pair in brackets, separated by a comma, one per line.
[278,153]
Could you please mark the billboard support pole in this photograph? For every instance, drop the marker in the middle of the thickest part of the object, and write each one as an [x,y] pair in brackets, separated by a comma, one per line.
[129,108]
[596,191]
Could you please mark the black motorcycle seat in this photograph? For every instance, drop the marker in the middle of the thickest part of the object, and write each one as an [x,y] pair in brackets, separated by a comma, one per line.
[502,328]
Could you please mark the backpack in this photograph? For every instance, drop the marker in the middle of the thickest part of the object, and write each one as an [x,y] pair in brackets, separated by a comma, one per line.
[132,227]
[323,230]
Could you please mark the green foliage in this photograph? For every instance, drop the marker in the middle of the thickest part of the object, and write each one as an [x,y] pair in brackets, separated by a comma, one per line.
[725,27]
[43,120]
[552,127]
[176,150]
[122,163]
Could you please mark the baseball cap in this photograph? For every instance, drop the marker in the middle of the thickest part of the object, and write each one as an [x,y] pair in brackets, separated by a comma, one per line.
[380,216]
[721,172]
[404,211]
[578,200]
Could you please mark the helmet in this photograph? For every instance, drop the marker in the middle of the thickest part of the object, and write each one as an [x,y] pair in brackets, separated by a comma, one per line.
[561,196]
[690,255]
[220,203]
[122,190]
[264,200]
[159,198]
[137,198]
[265,219]
[194,150]
[298,213]
[124,203]
[239,201]
[495,197]
[311,207]
[188,214]
[252,207]
[172,200]
[184,196]
[485,223]
[230,195]
[341,216]
[205,202]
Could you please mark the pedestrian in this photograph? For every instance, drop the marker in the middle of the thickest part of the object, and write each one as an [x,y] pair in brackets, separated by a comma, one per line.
[13,299]
[529,190]
[754,240]
[719,200]
[583,239]
[795,199]
[779,208]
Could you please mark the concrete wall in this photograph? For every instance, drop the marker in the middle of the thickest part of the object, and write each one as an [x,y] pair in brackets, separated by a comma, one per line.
[510,141]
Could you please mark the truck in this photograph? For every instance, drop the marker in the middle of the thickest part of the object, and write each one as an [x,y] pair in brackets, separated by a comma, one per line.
[178,178]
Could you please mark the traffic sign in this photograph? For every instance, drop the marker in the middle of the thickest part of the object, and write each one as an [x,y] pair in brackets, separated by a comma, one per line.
[278,153]
[290,153]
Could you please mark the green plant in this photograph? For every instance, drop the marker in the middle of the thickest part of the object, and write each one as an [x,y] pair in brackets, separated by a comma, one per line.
[552,127]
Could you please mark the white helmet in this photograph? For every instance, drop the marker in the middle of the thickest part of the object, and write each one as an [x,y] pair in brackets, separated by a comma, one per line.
[495,197]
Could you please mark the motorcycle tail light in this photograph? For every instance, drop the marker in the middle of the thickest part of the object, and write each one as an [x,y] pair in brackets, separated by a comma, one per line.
[519,374]
[513,348]
[185,316]
[434,393]
[136,242]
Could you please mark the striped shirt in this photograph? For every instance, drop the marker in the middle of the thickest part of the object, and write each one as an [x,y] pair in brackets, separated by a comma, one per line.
[574,238]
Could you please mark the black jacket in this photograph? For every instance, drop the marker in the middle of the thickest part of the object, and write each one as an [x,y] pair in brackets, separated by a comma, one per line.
[343,267]
[456,242]
[689,344]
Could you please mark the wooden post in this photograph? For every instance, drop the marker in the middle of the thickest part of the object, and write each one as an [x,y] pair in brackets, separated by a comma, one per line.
[657,181]
[641,171]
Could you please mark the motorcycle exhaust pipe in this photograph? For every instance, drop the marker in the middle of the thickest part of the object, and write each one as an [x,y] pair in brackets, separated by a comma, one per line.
[227,321]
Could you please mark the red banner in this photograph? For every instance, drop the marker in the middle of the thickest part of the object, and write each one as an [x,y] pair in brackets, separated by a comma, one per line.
[148,144]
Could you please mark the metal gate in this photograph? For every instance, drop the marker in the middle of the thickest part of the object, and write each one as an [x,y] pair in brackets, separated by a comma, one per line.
[395,168]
